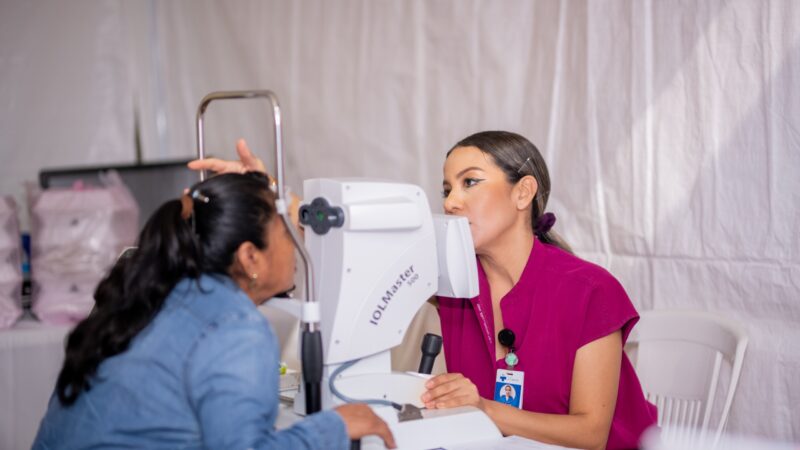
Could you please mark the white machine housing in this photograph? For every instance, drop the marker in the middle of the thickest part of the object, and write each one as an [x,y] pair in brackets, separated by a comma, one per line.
[372,275]
[377,270]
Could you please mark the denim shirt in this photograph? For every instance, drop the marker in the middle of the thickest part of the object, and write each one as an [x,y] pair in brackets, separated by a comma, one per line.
[203,374]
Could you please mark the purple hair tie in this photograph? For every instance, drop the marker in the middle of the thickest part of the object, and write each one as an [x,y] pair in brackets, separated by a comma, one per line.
[544,223]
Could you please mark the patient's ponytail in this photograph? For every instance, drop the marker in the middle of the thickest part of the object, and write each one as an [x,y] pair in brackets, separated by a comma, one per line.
[183,238]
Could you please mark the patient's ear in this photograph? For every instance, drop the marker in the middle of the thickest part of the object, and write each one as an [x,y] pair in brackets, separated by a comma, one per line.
[249,259]
[525,191]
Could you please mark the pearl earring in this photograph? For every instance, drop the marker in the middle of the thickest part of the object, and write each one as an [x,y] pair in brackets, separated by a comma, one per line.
[253,278]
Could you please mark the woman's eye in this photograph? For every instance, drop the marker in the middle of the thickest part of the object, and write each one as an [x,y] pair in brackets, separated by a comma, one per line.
[445,193]
[469,182]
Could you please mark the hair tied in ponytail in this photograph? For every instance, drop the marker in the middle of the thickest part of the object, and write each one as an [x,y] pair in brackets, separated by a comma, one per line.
[187,203]
[544,223]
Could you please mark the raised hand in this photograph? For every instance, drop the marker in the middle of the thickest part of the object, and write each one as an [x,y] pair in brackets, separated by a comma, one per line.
[248,162]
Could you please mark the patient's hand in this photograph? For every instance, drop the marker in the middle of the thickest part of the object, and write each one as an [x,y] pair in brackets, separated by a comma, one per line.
[360,421]
[450,390]
[248,162]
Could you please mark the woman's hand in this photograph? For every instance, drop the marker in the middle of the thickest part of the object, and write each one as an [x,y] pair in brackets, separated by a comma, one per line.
[449,390]
[248,162]
[361,421]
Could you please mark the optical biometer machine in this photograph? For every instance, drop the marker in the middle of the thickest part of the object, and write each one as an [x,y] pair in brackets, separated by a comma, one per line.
[373,255]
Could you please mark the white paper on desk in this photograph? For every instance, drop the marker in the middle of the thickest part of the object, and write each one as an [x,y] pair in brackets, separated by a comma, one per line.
[507,443]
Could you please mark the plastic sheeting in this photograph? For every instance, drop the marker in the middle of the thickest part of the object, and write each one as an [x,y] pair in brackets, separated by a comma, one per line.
[671,128]
[76,235]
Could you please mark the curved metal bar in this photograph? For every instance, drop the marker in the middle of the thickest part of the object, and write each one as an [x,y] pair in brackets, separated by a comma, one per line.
[276,115]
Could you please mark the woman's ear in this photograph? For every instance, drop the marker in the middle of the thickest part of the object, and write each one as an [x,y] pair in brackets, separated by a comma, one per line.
[248,258]
[525,191]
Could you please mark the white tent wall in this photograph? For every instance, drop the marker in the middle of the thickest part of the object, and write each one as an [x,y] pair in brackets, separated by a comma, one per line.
[65,93]
[672,129]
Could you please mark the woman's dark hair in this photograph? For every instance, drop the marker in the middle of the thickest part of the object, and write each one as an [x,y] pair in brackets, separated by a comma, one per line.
[517,157]
[228,210]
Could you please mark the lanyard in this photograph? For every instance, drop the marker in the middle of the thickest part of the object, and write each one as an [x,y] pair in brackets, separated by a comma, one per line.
[511,358]
[487,333]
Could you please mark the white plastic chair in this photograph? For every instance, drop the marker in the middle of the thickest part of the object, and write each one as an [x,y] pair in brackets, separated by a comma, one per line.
[678,357]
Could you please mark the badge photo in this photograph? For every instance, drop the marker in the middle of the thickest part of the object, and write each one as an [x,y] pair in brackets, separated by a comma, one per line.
[508,387]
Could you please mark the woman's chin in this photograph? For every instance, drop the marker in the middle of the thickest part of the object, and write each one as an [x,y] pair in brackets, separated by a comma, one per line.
[477,241]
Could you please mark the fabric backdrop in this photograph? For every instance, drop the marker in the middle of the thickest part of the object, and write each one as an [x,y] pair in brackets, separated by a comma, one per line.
[671,128]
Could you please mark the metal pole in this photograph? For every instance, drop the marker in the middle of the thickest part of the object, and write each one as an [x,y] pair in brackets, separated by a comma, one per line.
[311,339]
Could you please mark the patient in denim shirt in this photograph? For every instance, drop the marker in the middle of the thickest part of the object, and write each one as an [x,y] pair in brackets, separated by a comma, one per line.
[197,368]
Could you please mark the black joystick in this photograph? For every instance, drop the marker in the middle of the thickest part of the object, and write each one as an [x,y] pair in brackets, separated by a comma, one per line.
[431,346]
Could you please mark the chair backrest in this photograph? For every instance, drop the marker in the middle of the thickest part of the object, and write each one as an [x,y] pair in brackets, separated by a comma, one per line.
[678,356]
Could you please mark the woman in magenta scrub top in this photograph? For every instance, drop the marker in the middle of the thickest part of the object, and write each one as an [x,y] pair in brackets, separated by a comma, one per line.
[569,318]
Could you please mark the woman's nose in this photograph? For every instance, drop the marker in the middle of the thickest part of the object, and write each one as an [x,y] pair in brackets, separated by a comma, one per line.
[451,204]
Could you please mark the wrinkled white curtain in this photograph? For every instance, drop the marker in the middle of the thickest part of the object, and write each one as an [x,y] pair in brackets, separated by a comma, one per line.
[66,96]
[672,129]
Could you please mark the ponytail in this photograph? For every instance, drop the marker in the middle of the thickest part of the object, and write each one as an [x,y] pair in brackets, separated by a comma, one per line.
[129,297]
[543,229]
[183,239]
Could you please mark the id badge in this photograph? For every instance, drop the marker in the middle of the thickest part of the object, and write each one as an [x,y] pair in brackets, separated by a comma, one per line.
[508,387]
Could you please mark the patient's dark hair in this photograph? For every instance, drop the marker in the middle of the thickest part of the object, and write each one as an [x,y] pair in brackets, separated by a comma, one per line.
[237,210]
[517,157]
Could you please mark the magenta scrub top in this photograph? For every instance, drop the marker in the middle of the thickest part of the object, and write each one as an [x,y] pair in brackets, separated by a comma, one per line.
[559,304]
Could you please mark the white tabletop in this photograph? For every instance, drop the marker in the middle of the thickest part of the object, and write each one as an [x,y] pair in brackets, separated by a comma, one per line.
[287,417]
[31,354]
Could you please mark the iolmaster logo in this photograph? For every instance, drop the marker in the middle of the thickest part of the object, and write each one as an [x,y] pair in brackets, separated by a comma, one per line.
[407,277]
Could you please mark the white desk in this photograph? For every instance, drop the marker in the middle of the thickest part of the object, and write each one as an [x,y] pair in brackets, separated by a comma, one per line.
[287,418]
[31,354]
